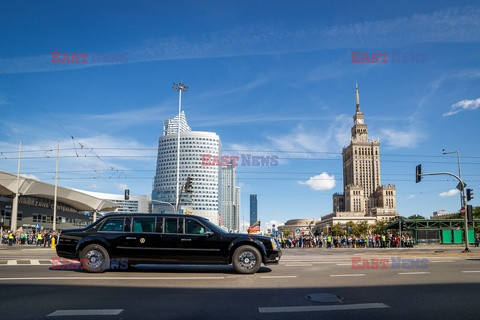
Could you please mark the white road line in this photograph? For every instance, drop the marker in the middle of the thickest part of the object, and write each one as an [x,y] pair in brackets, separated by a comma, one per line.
[12,262]
[87,312]
[299,265]
[277,277]
[339,307]
[439,261]
[344,264]
[113,278]
[473,271]
[34,262]
[413,272]
[348,275]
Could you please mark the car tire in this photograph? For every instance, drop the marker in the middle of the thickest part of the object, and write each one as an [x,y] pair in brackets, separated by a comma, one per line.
[95,258]
[246,260]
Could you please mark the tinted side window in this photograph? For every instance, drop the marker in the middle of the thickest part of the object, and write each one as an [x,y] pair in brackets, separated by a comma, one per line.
[128,222]
[113,225]
[193,227]
[143,225]
[170,225]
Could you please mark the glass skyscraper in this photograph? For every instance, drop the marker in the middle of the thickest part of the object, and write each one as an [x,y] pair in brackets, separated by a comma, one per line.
[253,209]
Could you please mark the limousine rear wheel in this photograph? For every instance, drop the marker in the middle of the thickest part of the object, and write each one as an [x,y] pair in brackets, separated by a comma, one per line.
[95,258]
[246,259]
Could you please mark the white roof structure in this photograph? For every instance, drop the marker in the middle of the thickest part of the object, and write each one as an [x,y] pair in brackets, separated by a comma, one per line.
[32,187]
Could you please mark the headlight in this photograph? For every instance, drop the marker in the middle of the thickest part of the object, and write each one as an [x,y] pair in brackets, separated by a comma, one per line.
[274,244]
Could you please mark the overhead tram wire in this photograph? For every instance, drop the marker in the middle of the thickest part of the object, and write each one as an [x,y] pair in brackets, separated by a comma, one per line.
[36,103]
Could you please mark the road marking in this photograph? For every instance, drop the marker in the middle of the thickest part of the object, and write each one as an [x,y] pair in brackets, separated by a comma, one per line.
[12,262]
[34,262]
[344,264]
[340,307]
[442,261]
[348,275]
[87,312]
[473,271]
[277,277]
[113,278]
[413,272]
[298,265]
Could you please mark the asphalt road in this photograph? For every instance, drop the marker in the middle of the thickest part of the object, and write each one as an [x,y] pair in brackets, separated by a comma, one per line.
[307,284]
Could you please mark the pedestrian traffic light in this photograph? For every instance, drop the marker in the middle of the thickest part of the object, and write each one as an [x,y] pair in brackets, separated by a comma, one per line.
[469,194]
[189,185]
[127,194]
[469,213]
[418,173]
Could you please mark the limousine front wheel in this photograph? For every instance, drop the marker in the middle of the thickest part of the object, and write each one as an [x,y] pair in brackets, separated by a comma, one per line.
[246,259]
[95,258]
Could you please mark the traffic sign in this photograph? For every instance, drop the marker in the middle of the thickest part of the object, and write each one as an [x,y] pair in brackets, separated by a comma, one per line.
[462,211]
[37,226]
[297,231]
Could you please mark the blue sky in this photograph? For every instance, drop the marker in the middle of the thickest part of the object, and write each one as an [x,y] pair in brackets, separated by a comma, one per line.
[270,77]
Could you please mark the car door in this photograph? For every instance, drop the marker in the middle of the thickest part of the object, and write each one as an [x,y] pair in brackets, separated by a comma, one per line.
[139,243]
[200,244]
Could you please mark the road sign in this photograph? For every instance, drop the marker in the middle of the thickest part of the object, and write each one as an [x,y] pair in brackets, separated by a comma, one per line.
[297,231]
[460,187]
[462,211]
[37,226]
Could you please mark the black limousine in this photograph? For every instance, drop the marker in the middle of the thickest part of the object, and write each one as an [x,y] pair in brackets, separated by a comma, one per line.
[141,238]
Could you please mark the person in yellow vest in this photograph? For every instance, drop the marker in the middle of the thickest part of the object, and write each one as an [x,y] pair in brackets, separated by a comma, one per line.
[39,239]
[383,242]
[11,237]
[329,242]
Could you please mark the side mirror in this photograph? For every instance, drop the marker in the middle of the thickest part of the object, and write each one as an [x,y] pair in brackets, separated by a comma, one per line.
[209,233]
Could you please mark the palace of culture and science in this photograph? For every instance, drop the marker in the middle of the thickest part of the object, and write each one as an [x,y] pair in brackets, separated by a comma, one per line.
[364,198]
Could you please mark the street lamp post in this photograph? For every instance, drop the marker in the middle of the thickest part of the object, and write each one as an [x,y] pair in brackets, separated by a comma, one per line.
[463,202]
[163,202]
[180,87]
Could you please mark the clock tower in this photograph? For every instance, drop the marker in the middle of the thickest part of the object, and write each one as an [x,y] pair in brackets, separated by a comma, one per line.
[359,129]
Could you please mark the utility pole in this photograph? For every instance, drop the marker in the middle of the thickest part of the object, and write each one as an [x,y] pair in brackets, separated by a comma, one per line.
[180,87]
[56,189]
[13,217]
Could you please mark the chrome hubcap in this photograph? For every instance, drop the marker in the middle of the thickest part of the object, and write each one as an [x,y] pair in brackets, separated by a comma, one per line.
[247,260]
[94,258]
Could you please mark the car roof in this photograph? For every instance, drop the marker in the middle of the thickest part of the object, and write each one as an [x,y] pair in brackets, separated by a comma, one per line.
[143,214]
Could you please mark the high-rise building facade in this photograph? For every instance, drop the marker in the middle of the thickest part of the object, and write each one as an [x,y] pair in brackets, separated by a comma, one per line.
[204,198]
[230,206]
[363,193]
[253,209]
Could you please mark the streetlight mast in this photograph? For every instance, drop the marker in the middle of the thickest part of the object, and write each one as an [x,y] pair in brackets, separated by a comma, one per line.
[180,87]
[463,202]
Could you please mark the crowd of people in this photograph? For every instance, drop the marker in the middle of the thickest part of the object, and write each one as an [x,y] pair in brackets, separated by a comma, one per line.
[41,238]
[351,241]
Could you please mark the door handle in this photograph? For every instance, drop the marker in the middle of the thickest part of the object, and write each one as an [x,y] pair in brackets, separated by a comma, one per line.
[185,239]
[131,238]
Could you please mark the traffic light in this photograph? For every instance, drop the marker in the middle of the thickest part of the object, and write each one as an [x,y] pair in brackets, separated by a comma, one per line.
[469,213]
[469,194]
[418,173]
[127,194]
[189,185]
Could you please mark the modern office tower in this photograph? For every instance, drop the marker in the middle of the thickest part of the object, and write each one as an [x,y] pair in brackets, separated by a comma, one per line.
[204,198]
[229,212]
[237,208]
[253,209]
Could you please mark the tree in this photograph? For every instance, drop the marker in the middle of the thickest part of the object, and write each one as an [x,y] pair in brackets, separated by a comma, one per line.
[416,216]
[361,228]
[336,230]
[286,233]
[379,227]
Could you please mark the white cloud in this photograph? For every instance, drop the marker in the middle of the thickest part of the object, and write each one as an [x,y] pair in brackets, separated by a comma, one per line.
[411,196]
[121,186]
[322,181]
[463,105]
[449,193]
[406,138]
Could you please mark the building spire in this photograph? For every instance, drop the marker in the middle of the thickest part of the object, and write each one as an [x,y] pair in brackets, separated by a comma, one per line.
[357,97]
